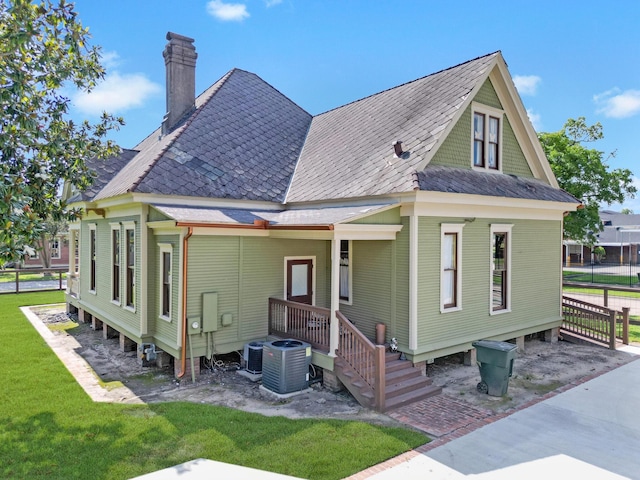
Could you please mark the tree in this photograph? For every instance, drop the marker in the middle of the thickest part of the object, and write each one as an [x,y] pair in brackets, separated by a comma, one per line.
[626,211]
[43,49]
[50,232]
[584,173]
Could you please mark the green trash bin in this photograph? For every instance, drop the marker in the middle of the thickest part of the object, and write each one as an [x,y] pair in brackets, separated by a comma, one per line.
[495,360]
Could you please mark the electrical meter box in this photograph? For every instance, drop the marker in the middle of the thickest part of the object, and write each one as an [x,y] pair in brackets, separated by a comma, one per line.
[209,312]
[194,325]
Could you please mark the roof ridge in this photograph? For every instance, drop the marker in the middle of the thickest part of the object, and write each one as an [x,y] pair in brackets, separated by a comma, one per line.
[410,82]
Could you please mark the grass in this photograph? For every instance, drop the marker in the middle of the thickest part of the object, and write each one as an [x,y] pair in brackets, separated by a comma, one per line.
[10,276]
[588,277]
[598,291]
[634,333]
[50,428]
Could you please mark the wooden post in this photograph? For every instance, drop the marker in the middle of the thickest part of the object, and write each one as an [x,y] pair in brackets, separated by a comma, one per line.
[380,378]
[606,297]
[60,280]
[17,281]
[625,325]
[612,329]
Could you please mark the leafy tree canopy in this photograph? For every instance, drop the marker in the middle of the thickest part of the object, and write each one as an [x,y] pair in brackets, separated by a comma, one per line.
[43,49]
[584,173]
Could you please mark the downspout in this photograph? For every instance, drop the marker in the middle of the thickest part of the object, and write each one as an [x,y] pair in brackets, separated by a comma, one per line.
[183,353]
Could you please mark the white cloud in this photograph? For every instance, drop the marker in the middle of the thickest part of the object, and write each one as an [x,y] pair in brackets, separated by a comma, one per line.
[535,119]
[527,84]
[116,94]
[618,104]
[227,12]
[109,59]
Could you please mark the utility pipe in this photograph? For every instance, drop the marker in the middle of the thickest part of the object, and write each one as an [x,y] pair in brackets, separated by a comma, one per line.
[183,353]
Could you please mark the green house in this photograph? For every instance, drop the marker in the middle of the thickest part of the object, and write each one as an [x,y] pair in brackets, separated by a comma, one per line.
[426,213]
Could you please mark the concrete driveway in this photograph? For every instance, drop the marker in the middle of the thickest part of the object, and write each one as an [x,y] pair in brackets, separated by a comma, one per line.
[590,431]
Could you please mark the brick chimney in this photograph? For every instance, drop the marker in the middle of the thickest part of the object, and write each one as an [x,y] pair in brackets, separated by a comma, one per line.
[180,61]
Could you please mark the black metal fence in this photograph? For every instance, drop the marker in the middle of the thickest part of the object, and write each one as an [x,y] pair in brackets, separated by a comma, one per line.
[613,273]
[32,279]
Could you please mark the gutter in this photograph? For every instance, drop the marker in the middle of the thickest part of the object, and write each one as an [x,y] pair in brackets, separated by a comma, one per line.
[257,225]
[183,353]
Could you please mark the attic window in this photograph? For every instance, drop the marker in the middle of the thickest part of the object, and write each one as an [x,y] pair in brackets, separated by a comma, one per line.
[486,138]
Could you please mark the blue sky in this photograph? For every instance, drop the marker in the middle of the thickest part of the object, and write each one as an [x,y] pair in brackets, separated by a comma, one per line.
[568,58]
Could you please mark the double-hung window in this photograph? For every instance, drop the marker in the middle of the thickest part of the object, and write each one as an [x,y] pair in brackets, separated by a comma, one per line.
[130,262]
[165,281]
[115,263]
[345,271]
[487,138]
[55,248]
[501,240]
[450,267]
[92,257]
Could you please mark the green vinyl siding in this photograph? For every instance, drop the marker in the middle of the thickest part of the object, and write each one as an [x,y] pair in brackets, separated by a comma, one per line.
[155,215]
[388,217]
[515,161]
[487,95]
[535,282]
[372,281]
[245,272]
[455,150]
[158,327]
[100,304]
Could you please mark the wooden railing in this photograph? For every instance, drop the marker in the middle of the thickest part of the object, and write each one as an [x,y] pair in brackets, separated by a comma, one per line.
[300,321]
[367,359]
[595,322]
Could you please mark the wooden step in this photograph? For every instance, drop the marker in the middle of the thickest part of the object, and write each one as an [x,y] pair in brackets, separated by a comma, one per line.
[409,385]
[401,375]
[412,396]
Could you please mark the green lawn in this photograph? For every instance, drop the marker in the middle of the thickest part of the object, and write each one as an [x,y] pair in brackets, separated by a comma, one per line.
[49,428]
[588,277]
[598,291]
[10,276]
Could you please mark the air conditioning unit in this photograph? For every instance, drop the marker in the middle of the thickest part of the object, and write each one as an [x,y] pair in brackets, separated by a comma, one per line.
[285,365]
[253,357]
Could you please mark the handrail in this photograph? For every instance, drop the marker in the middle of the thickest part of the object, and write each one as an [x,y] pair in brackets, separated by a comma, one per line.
[304,322]
[365,358]
[595,321]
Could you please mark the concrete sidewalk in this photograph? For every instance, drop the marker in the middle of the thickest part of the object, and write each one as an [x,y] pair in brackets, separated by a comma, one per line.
[591,430]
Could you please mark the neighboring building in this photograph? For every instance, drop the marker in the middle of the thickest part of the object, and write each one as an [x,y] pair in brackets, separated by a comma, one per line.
[59,251]
[620,238]
[415,208]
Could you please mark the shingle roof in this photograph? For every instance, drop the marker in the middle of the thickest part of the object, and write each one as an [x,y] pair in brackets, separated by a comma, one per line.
[242,142]
[349,153]
[306,216]
[437,178]
[104,171]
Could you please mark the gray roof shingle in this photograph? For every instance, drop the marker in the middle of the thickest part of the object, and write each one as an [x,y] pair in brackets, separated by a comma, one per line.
[348,152]
[437,178]
[242,142]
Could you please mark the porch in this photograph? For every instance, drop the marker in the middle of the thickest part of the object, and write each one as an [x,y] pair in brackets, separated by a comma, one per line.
[376,378]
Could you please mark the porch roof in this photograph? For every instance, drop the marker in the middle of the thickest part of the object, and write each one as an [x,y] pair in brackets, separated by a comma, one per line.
[326,216]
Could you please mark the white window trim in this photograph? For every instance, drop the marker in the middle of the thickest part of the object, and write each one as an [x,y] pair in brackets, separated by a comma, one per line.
[349,301]
[313,275]
[93,227]
[488,112]
[130,225]
[165,248]
[500,228]
[58,250]
[444,229]
[115,226]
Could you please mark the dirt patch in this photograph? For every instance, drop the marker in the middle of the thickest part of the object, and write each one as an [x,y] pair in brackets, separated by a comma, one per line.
[542,368]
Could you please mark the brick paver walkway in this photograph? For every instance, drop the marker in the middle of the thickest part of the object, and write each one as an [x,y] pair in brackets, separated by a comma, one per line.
[440,415]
